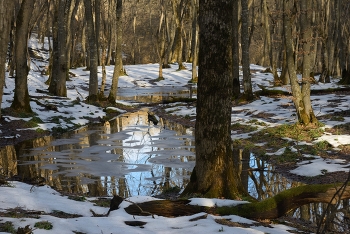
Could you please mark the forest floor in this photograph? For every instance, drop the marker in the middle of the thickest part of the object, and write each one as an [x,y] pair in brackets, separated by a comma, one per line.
[265,127]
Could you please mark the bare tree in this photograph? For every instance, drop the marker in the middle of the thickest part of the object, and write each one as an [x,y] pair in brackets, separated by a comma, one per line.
[195,42]
[21,96]
[247,83]
[301,95]
[59,74]
[214,174]
[93,81]
[117,68]
[6,13]
[235,49]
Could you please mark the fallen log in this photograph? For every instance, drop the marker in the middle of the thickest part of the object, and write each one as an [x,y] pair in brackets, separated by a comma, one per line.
[270,208]
[288,200]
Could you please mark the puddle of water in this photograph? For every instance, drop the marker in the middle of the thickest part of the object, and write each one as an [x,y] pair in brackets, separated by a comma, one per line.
[130,156]
[156,94]
[127,156]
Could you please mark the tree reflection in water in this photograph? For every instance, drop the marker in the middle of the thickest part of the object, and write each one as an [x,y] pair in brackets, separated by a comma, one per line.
[129,156]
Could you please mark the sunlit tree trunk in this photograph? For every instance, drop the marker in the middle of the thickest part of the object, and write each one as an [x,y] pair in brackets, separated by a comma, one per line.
[21,96]
[268,50]
[301,96]
[161,40]
[214,174]
[307,42]
[6,13]
[194,43]
[117,67]
[178,11]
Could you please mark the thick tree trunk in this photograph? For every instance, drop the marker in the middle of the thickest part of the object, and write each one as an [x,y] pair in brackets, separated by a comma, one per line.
[214,174]
[93,81]
[117,67]
[6,13]
[60,69]
[21,96]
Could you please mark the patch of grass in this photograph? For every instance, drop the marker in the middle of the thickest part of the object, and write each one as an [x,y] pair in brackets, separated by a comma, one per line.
[77,198]
[287,157]
[337,118]
[44,225]
[7,227]
[322,145]
[295,132]
[61,214]
[33,122]
[257,122]
[242,128]
[102,202]
[175,189]
[59,130]
[19,213]
[18,114]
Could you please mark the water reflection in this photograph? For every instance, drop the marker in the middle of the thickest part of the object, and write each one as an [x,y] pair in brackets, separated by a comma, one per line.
[127,156]
[156,94]
[130,156]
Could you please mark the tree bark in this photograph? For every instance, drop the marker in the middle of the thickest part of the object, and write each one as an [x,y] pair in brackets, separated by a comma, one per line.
[21,97]
[288,200]
[178,11]
[60,70]
[194,43]
[307,40]
[93,80]
[214,174]
[6,14]
[304,112]
[117,67]
[235,50]
[247,83]
[270,208]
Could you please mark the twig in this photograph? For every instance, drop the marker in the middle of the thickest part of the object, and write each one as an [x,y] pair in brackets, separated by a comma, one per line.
[338,193]
[142,211]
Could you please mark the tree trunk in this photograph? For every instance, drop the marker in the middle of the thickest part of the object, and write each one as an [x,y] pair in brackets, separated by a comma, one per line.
[161,38]
[194,43]
[70,39]
[113,92]
[270,208]
[235,50]
[268,50]
[60,69]
[247,83]
[307,41]
[214,174]
[93,81]
[21,97]
[303,109]
[6,14]
[178,10]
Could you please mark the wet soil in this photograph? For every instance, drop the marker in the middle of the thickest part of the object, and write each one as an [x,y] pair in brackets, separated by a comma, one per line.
[14,132]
